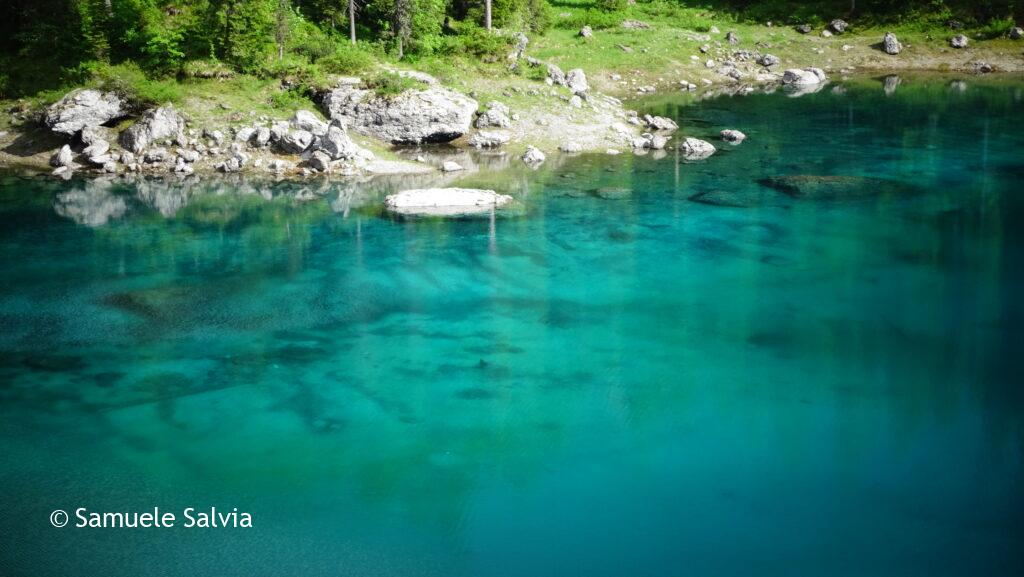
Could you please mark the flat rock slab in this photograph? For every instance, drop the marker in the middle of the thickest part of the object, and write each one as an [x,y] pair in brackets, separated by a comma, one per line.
[445,201]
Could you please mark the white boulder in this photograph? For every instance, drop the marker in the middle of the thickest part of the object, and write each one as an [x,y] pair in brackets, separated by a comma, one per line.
[81,108]
[445,201]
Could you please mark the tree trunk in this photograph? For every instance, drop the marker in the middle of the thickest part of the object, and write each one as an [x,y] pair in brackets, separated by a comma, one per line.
[487,15]
[400,51]
[352,20]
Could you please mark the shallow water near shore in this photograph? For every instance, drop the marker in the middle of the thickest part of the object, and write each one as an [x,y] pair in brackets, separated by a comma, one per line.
[651,367]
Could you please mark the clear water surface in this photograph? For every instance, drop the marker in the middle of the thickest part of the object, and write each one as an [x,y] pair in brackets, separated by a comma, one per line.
[615,380]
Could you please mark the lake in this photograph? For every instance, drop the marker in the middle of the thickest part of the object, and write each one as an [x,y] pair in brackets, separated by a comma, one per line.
[649,367]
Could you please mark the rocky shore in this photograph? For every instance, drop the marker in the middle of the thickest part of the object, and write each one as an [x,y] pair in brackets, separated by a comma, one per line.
[360,132]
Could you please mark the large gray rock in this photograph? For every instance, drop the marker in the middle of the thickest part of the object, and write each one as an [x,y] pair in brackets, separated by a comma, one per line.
[576,80]
[958,41]
[81,108]
[1016,33]
[306,120]
[804,77]
[433,114]
[445,201]
[296,141]
[890,44]
[696,149]
[155,124]
[768,60]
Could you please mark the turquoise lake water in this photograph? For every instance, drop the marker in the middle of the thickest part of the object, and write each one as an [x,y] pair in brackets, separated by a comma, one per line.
[652,367]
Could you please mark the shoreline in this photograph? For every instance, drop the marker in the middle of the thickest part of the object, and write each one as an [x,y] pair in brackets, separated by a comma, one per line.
[31,148]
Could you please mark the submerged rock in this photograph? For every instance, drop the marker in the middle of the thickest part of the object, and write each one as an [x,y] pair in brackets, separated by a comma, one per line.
[445,201]
[79,109]
[743,197]
[822,187]
[733,136]
[891,45]
[431,115]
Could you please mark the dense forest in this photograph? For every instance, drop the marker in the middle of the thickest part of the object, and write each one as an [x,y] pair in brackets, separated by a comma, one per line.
[46,43]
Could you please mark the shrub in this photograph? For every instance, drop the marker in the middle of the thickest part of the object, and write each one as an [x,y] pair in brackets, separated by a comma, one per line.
[347,60]
[476,42]
[206,69]
[390,83]
[596,19]
[128,80]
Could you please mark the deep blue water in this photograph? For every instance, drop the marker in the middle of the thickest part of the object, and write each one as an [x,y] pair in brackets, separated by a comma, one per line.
[613,380]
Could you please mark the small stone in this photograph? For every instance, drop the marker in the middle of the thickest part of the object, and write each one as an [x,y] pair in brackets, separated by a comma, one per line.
[838,26]
[571,147]
[959,41]
[1016,33]
[586,32]
[451,166]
